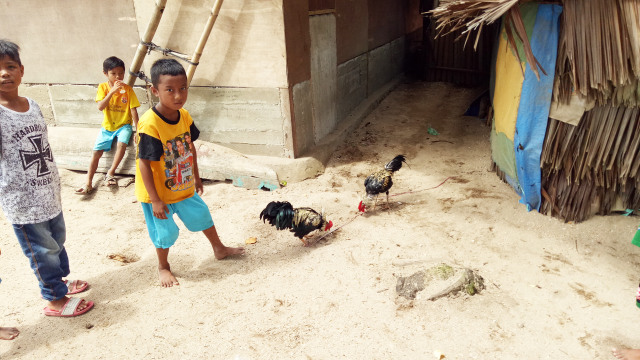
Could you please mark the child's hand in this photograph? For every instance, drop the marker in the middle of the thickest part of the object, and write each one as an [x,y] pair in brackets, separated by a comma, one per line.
[117,85]
[160,209]
[199,188]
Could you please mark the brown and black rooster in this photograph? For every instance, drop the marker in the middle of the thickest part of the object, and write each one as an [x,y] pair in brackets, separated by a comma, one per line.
[301,221]
[380,182]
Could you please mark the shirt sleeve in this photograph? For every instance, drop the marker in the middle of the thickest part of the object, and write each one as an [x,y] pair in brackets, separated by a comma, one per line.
[133,99]
[149,148]
[195,133]
[102,92]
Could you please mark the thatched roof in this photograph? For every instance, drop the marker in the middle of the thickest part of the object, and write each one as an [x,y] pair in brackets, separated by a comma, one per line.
[594,166]
[599,52]
[474,14]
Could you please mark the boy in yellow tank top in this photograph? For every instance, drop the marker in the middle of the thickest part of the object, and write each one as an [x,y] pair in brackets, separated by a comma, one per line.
[119,104]
[167,179]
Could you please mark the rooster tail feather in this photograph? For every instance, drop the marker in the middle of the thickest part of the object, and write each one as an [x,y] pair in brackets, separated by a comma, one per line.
[396,163]
[284,219]
[272,212]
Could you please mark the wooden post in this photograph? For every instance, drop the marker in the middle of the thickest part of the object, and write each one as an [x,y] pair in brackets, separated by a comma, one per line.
[203,40]
[136,64]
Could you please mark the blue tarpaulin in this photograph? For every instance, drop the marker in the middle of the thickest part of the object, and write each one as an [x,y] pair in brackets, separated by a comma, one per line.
[535,102]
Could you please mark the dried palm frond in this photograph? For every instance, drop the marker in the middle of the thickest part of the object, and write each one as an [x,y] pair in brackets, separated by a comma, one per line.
[593,164]
[599,52]
[473,14]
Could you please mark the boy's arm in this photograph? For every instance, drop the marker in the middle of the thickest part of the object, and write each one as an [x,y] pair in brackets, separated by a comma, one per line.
[160,209]
[104,102]
[134,118]
[196,174]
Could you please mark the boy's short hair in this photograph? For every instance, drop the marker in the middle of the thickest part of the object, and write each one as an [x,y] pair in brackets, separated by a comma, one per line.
[10,49]
[165,67]
[111,63]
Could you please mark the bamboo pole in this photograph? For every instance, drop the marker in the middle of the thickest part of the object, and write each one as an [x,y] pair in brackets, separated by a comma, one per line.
[203,40]
[136,64]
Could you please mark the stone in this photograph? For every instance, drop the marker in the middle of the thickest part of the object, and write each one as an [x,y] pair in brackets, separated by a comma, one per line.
[439,281]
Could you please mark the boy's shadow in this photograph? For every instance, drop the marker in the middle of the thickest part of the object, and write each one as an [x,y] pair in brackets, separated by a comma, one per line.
[53,331]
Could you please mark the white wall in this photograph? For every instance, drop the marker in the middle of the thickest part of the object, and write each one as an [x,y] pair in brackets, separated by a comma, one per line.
[237,91]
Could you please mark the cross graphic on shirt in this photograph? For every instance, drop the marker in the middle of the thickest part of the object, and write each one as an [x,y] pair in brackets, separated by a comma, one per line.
[38,157]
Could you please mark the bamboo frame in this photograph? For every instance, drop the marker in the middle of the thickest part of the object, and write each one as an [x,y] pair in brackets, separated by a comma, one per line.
[203,40]
[136,64]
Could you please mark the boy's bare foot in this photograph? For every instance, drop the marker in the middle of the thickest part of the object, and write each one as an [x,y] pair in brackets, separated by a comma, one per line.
[8,333]
[223,252]
[59,304]
[166,278]
[626,354]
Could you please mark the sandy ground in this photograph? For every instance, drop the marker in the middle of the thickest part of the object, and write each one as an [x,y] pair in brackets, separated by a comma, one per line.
[554,290]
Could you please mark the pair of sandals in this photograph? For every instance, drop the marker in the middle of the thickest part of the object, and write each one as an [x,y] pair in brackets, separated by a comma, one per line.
[72,307]
[109,180]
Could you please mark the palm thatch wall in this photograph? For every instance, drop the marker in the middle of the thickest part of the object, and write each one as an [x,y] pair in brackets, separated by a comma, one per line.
[592,167]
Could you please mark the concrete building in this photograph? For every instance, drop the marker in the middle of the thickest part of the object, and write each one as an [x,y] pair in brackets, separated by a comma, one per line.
[282,79]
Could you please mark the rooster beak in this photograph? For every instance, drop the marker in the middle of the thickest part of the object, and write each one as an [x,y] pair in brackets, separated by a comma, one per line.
[329,225]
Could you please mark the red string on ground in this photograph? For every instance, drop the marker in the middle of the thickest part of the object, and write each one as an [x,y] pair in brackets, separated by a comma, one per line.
[338,228]
[411,192]
[360,214]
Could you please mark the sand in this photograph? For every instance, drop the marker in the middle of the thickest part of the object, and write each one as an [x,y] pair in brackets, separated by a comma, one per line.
[554,290]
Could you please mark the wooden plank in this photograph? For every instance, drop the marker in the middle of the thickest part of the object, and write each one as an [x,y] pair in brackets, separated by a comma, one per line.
[319,5]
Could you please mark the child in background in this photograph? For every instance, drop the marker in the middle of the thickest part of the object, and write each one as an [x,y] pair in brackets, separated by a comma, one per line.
[160,196]
[119,104]
[30,190]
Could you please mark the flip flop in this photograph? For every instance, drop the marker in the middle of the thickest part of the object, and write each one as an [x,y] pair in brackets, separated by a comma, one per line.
[69,309]
[74,288]
[85,190]
[110,180]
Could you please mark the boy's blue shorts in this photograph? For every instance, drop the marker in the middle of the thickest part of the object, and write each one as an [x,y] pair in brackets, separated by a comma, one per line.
[105,137]
[193,212]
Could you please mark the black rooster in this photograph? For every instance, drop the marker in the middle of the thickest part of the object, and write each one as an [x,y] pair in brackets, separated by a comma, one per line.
[301,221]
[380,182]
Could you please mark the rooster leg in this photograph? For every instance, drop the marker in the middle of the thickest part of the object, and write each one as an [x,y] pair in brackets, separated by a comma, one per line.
[305,241]
[375,202]
[388,203]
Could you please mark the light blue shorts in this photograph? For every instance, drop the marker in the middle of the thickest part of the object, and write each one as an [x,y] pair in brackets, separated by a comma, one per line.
[193,212]
[106,137]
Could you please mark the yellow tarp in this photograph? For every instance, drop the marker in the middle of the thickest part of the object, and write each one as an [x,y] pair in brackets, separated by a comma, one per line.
[508,87]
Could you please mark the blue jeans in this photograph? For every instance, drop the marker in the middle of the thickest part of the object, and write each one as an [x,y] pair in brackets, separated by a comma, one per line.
[43,245]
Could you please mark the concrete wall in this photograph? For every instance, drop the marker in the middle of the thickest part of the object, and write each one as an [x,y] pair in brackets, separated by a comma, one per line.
[386,21]
[65,42]
[303,113]
[355,51]
[352,27]
[352,84]
[323,74]
[370,46]
[239,93]
[253,90]
[246,47]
